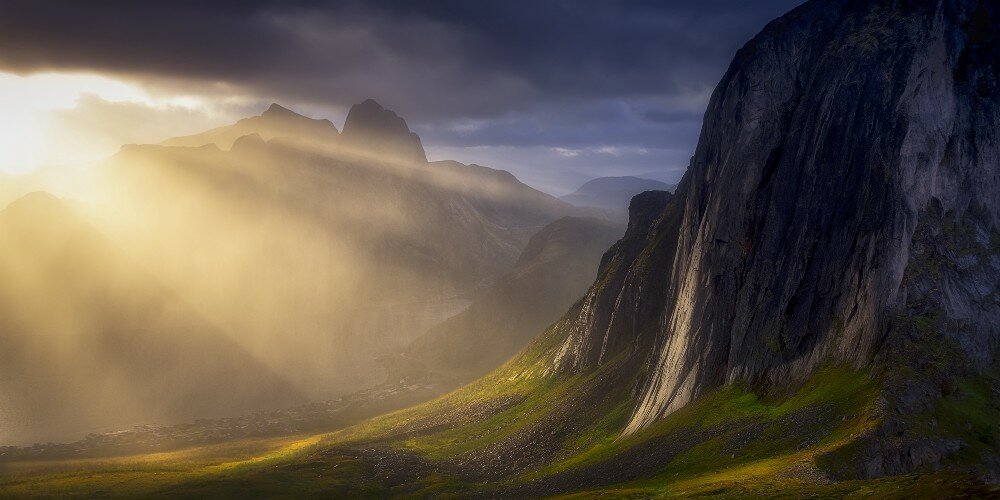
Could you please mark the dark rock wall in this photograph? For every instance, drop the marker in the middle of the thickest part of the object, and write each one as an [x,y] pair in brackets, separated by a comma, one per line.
[833,134]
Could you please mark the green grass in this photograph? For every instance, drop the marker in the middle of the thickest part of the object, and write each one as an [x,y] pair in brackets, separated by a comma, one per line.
[143,475]
[832,409]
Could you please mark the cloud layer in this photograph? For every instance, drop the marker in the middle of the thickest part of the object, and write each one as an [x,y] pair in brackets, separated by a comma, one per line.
[524,75]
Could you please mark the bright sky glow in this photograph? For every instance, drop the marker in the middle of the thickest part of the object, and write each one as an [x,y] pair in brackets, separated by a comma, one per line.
[31,137]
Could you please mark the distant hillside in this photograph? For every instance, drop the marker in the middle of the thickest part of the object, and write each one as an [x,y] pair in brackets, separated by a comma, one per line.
[323,254]
[107,345]
[613,193]
[553,272]
[276,122]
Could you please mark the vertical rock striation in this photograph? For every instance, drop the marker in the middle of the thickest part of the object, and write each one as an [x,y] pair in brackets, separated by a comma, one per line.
[833,131]
[837,132]
[831,135]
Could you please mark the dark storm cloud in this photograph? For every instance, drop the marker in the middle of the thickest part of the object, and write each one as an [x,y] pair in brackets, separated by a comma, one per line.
[557,73]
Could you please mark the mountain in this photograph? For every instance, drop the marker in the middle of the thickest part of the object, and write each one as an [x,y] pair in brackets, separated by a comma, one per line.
[813,313]
[374,130]
[371,132]
[613,193]
[554,270]
[107,345]
[276,122]
[322,255]
[830,215]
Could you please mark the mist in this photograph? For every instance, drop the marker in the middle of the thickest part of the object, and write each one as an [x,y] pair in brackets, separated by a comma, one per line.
[184,280]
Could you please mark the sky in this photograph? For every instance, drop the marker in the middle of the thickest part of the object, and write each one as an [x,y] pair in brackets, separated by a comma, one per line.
[557,92]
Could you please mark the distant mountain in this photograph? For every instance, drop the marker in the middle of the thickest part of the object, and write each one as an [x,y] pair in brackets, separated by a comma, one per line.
[613,193]
[275,123]
[323,255]
[92,342]
[814,312]
[553,271]
[373,130]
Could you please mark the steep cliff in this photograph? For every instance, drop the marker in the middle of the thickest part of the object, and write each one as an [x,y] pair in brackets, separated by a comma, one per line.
[836,133]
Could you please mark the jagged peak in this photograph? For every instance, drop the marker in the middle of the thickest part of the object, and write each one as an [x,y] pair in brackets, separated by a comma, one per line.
[276,109]
[373,128]
[371,116]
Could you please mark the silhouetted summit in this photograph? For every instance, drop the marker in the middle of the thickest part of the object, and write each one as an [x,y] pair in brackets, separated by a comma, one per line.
[374,130]
[277,122]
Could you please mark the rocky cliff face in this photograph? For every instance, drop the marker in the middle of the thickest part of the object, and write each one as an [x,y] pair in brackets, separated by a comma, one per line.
[839,133]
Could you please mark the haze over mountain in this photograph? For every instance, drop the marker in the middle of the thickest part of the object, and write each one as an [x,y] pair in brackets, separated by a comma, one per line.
[275,122]
[613,193]
[553,271]
[320,251]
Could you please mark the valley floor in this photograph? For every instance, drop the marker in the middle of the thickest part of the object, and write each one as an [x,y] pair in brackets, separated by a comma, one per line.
[731,443]
[306,466]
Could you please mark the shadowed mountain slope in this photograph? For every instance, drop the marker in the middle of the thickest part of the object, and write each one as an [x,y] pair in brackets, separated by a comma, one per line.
[553,271]
[321,257]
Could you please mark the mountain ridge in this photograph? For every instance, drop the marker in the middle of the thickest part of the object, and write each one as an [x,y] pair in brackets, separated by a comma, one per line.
[618,191]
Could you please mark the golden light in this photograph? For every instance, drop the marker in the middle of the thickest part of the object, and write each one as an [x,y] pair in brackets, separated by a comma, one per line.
[29,136]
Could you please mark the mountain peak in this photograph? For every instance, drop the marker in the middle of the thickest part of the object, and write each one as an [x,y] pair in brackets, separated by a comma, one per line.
[275,122]
[277,110]
[371,128]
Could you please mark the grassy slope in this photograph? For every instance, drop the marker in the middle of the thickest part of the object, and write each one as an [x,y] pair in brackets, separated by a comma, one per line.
[732,443]
[521,432]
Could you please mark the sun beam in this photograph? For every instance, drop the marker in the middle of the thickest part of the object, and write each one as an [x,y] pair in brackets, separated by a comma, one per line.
[27,135]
